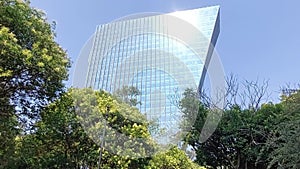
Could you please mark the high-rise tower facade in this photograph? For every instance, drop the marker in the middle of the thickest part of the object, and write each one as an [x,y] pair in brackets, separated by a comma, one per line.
[161,55]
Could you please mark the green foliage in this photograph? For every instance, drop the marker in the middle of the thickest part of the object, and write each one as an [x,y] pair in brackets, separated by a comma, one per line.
[285,141]
[240,139]
[32,69]
[172,159]
[191,107]
[62,139]
[126,128]
[8,133]
[128,94]
[61,142]
[32,64]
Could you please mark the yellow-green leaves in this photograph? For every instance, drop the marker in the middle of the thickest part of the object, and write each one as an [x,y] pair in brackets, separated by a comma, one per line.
[32,70]
[173,159]
[5,73]
[40,64]
[126,129]
[32,65]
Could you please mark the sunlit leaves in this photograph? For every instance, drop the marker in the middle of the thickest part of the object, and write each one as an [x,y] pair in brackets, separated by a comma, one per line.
[32,65]
[172,159]
[32,69]
[126,129]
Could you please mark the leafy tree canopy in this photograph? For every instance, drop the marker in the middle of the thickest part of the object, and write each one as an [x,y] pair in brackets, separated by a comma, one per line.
[172,159]
[32,65]
[32,69]
[63,139]
[240,140]
[284,142]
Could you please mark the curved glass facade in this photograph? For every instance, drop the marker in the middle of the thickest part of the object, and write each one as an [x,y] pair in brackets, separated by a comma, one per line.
[160,55]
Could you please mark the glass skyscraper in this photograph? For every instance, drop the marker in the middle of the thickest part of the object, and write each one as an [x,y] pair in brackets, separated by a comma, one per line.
[161,55]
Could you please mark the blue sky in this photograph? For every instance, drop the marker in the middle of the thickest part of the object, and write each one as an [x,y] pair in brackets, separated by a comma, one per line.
[258,39]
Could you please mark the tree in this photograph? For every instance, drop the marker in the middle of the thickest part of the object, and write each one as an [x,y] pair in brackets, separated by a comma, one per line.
[63,139]
[241,136]
[189,106]
[59,141]
[126,129]
[8,133]
[172,159]
[284,142]
[128,94]
[32,65]
[32,69]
